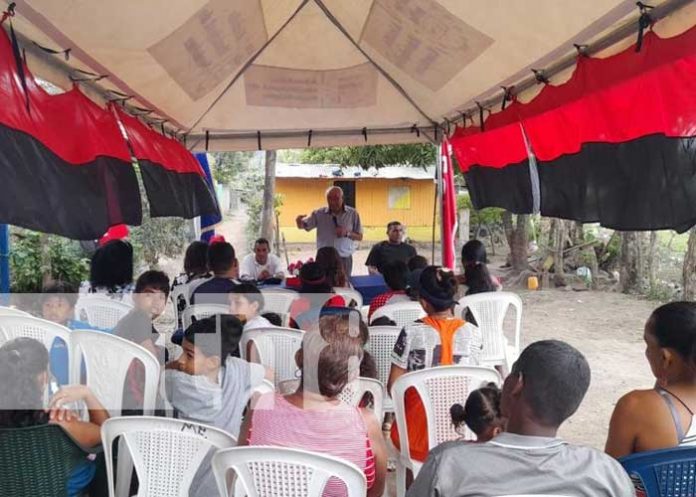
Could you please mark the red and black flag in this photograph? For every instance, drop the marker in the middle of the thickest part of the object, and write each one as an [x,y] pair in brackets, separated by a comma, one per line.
[616,144]
[174,181]
[65,167]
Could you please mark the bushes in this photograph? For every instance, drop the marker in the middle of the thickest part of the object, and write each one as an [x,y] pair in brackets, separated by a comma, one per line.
[34,256]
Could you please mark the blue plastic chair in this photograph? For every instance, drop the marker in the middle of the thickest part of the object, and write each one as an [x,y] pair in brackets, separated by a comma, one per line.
[663,473]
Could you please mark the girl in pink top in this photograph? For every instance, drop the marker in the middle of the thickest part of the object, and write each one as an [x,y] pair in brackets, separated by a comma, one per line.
[313,418]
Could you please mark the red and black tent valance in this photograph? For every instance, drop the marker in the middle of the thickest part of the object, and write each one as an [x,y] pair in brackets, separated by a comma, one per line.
[174,181]
[64,164]
[616,144]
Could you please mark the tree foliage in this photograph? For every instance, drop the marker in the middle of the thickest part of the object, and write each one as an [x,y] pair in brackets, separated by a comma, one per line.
[65,260]
[412,154]
[229,167]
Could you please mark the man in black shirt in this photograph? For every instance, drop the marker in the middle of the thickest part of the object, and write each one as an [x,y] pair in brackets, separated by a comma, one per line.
[223,263]
[393,249]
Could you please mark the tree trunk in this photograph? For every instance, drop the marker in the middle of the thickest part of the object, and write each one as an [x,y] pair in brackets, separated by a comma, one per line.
[651,263]
[46,266]
[689,271]
[519,241]
[268,209]
[631,262]
[557,244]
[578,233]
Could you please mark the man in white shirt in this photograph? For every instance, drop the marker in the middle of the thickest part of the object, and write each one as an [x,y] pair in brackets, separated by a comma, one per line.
[261,264]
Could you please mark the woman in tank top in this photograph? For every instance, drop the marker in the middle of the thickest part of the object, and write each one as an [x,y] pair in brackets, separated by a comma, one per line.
[663,416]
[313,418]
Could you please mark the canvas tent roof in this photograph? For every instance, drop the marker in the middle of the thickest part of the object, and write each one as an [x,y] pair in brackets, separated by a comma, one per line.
[242,75]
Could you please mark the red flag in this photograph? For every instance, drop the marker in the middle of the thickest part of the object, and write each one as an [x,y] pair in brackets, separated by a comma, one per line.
[449,205]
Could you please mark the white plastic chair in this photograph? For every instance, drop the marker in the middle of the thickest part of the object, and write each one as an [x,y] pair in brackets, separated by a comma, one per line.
[263,388]
[276,348]
[276,471]
[286,387]
[354,392]
[11,311]
[534,495]
[348,295]
[489,310]
[438,388]
[106,361]
[402,313]
[180,291]
[166,452]
[201,311]
[100,311]
[381,345]
[46,332]
[279,301]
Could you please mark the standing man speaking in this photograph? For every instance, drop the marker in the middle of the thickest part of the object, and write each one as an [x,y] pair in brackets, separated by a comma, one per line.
[338,225]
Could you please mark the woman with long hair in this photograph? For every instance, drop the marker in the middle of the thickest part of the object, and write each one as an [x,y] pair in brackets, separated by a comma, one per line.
[111,271]
[330,262]
[23,403]
[314,418]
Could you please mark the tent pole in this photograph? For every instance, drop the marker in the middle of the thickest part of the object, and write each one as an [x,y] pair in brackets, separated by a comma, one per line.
[4,262]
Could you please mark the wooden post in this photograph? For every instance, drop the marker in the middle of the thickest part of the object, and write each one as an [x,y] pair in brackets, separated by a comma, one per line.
[268,210]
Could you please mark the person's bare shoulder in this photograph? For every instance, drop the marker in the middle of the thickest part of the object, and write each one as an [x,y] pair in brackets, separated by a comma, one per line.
[639,404]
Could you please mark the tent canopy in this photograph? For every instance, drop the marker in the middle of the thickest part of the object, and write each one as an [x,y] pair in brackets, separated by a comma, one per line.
[253,74]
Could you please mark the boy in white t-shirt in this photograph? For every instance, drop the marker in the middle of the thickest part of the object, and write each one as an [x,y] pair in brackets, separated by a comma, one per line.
[246,302]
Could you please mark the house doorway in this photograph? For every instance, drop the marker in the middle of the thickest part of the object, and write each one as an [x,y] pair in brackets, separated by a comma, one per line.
[348,188]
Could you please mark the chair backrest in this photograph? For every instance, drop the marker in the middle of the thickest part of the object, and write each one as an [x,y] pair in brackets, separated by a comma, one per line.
[276,347]
[180,292]
[201,311]
[166,453]
[279,301]
[401,313]
[349,295]
[489,310]
[11,311]
[100,311]
[286,387]
[37,461]
[46,332]
[381,345]
[107,359]
[438,388]
[663,473]
[265,471]
[265,387]
[354,392]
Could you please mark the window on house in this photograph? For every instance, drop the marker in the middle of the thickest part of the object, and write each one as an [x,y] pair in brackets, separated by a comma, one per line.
[399,197]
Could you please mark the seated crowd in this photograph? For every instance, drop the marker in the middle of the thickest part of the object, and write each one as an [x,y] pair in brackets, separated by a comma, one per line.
[515,450]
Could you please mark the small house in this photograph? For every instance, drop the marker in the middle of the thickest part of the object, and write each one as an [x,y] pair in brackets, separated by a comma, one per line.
[381,195]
